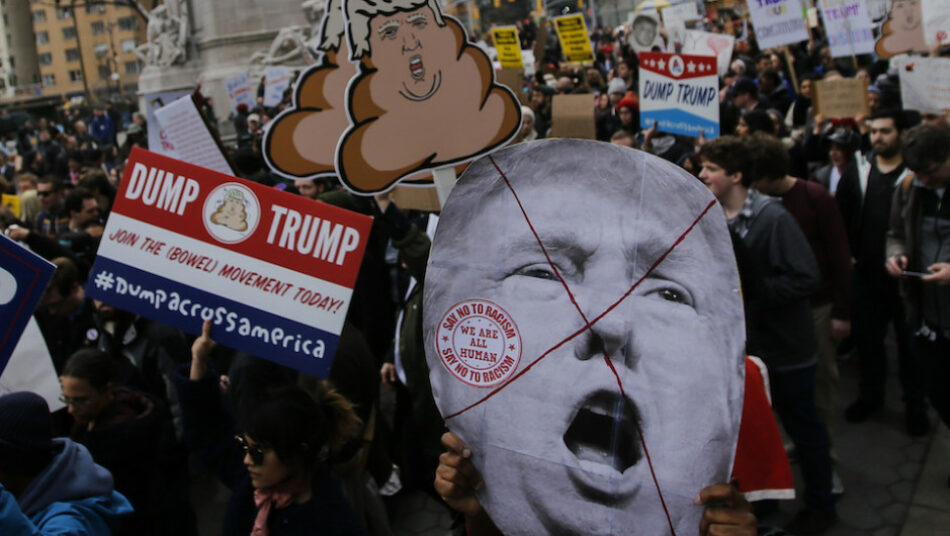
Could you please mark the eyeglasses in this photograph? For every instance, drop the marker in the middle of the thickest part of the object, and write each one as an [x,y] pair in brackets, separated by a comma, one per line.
[78,401]
[256,453]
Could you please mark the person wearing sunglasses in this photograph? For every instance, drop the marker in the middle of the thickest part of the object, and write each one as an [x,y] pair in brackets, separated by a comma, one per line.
[276,466]
[131,434]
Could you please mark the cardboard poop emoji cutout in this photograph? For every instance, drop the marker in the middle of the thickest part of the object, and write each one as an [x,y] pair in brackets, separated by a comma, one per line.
[300,141]
[903,31]
[424,98]
[233,212]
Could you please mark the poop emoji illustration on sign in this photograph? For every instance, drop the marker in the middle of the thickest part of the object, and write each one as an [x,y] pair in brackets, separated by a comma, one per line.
[300,142]
[232,212]
[425,97]
[903,31]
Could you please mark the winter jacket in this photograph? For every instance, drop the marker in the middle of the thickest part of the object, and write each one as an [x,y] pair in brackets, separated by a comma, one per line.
[71,496]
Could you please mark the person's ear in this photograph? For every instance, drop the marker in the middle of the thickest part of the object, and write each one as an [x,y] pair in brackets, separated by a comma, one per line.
[737,177]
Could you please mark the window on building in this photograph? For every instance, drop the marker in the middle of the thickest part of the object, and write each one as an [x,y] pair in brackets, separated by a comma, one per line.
[128,23]
[64,12]
[102,49]
[98,28]
[131,87]
[104,72]
[49,80]
[128,45]
[69,32]
[38,16]
[42,38]
[72,54]
[45,58]
[96,7]
[133,67]
[75,76]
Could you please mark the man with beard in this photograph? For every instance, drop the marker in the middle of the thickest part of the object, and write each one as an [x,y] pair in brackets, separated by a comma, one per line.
[865,202]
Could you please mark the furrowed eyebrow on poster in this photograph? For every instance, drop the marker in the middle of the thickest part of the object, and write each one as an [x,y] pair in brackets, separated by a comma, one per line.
[520,269]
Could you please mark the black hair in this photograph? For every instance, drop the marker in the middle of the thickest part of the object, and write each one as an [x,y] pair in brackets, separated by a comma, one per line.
[768,158]
[92,365]
[759,121]
[298,425]
[771,75]
[53,180]
[65,277]
[893,114]
[75,198]
[925,145]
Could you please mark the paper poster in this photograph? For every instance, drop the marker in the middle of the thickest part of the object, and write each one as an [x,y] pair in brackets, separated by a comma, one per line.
[936,15]
[777,22]
[556,348]
[841,98]
[30,368]
[158,142]
[686,12]
[273,271]
[645,32]
[700,43]
[23,279]
[183,125]
[239,91]
[513,79]
[12,201]
[572,116]
[575,41]
[680,93]
[508,46]
[925,84]
[902,31]
[848,27]
[276,81]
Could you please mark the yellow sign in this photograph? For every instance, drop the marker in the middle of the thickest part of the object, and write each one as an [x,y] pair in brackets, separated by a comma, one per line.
[508,46]
[12,201]
[572,33]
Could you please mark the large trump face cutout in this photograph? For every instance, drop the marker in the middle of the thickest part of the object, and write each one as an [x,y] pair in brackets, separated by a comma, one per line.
[584,333]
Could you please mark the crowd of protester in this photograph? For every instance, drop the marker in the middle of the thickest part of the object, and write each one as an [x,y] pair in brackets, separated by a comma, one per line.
[827,217]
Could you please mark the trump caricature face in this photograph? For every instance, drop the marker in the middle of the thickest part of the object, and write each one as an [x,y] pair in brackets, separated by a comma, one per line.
[621,338]
[407,46]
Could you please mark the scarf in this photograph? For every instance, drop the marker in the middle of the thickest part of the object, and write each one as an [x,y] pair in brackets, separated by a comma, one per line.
[279,496]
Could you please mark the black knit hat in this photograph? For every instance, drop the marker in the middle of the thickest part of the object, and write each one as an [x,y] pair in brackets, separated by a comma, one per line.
[26,429]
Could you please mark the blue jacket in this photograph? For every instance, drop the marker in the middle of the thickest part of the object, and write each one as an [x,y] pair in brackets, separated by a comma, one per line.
[102,129]
[72,496]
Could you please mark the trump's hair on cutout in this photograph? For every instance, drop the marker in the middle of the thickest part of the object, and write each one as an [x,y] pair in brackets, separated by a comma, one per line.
[359,13]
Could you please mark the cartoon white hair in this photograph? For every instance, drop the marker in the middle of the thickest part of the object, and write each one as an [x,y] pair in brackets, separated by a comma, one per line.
[235,196]
[333,26]
[359,13]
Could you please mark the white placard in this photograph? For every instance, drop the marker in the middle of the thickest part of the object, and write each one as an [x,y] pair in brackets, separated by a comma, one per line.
[848,27]
[31,369]
[183,125]
[239,91]
[936,15]
[925,84]
[276,81]
[777,22]
[702,43]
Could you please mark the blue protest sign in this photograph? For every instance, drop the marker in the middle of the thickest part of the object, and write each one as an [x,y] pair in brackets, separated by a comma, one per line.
[23,279]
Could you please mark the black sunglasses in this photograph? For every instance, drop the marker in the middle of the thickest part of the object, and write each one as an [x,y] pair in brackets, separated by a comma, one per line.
[256,453]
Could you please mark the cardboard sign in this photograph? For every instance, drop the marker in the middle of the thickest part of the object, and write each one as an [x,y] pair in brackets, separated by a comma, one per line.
[541,40]
[421,198]
[508,46]
[273,271]
[12,201]
[23,279]
[572,116]
[276,81]
[158,141]
[575,42]
[936,18]
[239,91]
[848,26]
[777,22]
[185,127]
[925,84]
[700,43]
[680,93]
[513,79]
[30,368]
[841,98]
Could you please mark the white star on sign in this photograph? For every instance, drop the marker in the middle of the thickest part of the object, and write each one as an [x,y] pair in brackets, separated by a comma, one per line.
[662,65]
[652,63]
[691,67]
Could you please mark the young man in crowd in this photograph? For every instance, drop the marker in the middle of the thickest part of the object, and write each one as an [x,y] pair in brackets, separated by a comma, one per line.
[865,200]
[780,278]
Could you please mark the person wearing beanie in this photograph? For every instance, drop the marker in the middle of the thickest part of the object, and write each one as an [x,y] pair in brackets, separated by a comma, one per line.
[50,486]
[527,132]
[624,115]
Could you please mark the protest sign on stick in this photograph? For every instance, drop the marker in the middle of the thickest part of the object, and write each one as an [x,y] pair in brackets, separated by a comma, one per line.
[575,42]
[841,98]
[700,43]
[158,141]
[936,18]
[193,139]
[274,272]
[276,81]
[777,22]
[925,85]
[23,279]
[572,116]
[508,46]
[239,91]
[680,93]
[849,28]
